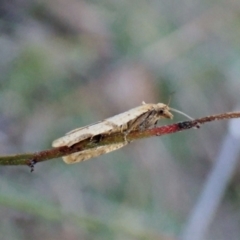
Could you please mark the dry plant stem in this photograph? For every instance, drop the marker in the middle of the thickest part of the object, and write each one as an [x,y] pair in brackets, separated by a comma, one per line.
[31,158]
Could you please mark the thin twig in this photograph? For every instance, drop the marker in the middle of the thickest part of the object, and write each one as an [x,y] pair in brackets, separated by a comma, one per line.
[31,159]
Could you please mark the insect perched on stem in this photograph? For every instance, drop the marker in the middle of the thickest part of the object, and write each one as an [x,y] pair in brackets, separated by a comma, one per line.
[140,118]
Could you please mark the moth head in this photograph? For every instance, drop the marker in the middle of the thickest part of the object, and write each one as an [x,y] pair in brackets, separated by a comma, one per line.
[164,111]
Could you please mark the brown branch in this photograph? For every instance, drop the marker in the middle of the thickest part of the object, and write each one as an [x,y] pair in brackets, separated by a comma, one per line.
[32,158]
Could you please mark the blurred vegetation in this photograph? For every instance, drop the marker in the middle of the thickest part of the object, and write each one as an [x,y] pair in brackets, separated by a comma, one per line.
[65,64]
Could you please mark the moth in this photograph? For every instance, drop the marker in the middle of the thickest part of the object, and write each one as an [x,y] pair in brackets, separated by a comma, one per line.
[139,118]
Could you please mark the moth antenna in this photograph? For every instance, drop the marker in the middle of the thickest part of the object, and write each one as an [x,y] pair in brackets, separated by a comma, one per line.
[184,114]
[143,103]
[170,98]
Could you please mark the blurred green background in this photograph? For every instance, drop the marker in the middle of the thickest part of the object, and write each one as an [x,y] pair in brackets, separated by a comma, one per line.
[66,64]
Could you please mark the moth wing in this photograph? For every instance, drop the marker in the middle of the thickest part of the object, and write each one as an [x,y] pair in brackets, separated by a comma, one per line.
[126,117]
[78,129]
[91,153]
[70,140]
[81,134]
[112,124]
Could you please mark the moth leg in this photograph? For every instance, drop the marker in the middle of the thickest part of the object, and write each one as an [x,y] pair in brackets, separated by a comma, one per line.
[137,124]
[151,121]
[145,121]
[125,133]
[155,124]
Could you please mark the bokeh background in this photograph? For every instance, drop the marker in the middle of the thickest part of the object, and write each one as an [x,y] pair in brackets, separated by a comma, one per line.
[66,64]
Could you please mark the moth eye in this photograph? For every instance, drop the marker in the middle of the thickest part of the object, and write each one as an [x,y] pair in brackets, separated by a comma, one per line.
[161,112]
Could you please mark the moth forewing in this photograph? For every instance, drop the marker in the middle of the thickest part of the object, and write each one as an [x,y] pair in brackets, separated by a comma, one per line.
[110,125]
[91,153]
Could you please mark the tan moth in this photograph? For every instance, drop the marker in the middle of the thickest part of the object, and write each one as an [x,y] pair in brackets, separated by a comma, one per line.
[139,118]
